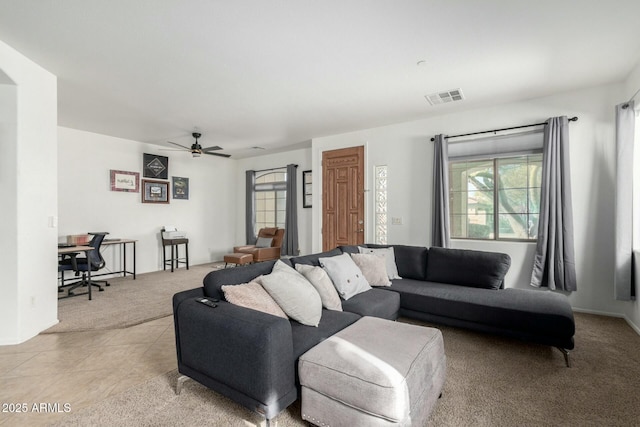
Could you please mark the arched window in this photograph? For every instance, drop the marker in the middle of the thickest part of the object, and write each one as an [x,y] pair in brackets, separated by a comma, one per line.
[270,196]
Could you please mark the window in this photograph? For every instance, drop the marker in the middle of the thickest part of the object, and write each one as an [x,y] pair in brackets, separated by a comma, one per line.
[381,205]
[270,195]
[497,199]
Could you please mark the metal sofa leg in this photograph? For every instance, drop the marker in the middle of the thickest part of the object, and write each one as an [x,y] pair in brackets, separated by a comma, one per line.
[565,353]
[273,422]
[179,382]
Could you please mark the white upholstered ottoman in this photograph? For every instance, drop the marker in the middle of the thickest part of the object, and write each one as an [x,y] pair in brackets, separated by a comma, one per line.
[375,372]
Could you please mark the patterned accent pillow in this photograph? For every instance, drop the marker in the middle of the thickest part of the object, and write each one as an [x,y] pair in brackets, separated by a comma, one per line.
[252,295]
[373,267]
[323,284]
[345,275]
[389,256]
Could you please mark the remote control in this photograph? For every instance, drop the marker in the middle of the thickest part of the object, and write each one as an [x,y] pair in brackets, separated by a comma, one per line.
[208,302]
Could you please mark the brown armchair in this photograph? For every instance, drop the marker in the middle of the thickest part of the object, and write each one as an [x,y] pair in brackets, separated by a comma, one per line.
[264,254]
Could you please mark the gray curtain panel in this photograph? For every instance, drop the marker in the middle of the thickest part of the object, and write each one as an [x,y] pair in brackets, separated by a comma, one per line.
[625,130]
[290,240]
[554,263]
[440,231]
[250,212]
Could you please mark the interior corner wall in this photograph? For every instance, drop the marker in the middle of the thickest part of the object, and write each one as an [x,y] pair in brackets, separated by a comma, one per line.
[86,202]
[407,151]
[8,211]
[29,296]
[301,157]
[631,86]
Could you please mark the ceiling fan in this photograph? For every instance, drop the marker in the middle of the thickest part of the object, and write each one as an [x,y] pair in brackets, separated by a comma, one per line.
[196,149]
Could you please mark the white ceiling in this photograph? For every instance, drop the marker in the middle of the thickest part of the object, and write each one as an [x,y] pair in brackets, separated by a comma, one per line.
[274,73]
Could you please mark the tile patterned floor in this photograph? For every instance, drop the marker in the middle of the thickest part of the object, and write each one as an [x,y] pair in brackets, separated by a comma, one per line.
[79,369]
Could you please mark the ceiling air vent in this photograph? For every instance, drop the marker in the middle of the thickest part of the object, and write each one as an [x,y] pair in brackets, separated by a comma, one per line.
[444,97]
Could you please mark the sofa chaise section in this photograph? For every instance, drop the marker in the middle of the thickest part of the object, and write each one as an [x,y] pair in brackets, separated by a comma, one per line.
[542,317]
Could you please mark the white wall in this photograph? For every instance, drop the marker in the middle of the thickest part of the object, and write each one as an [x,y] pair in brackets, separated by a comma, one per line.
[87,204]
[8,211]
[407,151]
[302,158]
[29,196]
[631,86]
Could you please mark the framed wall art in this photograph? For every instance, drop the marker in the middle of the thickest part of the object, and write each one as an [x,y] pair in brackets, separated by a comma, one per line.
[155,166]
[125,181]
[180,188]
[155,191]
[306,189]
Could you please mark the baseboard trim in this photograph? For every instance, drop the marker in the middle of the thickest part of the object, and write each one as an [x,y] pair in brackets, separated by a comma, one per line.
[600,313]
[633,326]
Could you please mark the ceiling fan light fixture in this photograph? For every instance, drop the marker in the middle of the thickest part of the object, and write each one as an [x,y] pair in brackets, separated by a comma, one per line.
[195,153]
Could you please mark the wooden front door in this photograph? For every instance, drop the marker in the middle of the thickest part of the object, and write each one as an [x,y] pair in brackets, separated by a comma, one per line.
[342,197]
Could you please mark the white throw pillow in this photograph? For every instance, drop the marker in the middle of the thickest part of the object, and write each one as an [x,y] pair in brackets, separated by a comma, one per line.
[389,256]
[294,294]
[373,267]
[345,275]
[323,284]
[252,295]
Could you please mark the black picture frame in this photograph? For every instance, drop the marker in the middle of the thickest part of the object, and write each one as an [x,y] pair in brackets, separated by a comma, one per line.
[307,194]
[155,166]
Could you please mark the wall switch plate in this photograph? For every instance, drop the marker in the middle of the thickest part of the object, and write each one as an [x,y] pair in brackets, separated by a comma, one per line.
[53,221]
[396,220]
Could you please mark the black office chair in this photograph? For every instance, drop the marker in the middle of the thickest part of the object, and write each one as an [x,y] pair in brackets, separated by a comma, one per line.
[93,261]
[66,263]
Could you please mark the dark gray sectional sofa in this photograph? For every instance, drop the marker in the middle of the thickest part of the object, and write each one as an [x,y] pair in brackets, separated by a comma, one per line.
[251,357]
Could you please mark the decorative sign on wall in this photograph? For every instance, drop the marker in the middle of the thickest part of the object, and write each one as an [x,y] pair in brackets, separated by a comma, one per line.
[155,191]
[125,181]
[155,166]
[180,188]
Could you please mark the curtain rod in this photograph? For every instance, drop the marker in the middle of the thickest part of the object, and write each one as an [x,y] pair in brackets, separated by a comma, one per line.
[273,169]
[572,119]
[631,99]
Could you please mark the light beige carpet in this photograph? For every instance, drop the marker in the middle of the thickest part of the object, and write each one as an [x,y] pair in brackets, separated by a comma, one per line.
[490,382]
[128,302]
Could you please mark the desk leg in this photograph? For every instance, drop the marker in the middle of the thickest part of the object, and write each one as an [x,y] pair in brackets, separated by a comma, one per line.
[124,259]
[134,260]
[88,274]
[172,257]
[186,248]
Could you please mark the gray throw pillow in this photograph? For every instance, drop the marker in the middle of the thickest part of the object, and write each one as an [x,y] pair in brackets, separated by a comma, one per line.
[389,256]
[323,284]
[345,275]
[373,267]
[264,242]
[294,294]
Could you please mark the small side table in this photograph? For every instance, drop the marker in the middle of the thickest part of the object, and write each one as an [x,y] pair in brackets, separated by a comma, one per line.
[175,257]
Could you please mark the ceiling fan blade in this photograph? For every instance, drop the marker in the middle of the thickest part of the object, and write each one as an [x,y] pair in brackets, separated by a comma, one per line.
[173,149]
[180,145]
[214,148]
[217,154]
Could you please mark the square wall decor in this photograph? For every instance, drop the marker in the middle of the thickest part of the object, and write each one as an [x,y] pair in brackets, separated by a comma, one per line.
[155,191]
[155,166]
